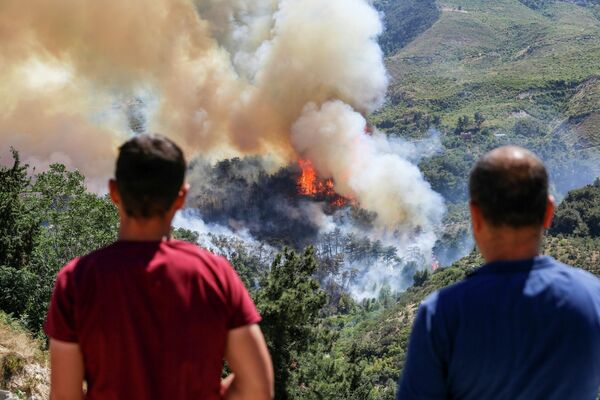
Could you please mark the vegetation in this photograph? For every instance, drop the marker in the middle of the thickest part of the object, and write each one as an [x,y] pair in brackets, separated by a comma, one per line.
[321,348]
[481,73]
[22,363]
[289,300]
[11,366]
[46,220]
[404,21]
[579,213]
[504,60]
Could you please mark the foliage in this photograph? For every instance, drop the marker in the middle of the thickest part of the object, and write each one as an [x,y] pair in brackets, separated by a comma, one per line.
[404,20]
[502,60]
[462,124]
[582,252]
[529,127]
[420,278]
[320,350]
[569,168]
[55,220]
[10,365]
[289,301]
[539,4]
[579,213]
[19,229]
[185,234]
[19,226]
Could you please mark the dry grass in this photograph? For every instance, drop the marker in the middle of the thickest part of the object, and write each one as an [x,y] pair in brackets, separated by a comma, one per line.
[23,363]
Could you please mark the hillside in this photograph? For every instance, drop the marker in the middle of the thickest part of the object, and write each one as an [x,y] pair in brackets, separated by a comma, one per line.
[404,21]
[504,60]
[23,365]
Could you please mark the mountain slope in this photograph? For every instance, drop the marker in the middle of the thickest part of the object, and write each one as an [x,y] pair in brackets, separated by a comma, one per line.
[504,60]
[23,365]
[404,20]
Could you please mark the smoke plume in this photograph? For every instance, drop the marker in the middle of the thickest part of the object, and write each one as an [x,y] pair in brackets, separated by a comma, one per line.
[288,78]
[365,167]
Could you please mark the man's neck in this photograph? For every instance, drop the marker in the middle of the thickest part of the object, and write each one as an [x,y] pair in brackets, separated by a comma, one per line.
[144,229]
[508,244]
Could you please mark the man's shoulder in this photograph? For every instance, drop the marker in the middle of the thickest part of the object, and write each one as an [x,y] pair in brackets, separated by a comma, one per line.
[579,274]
[575,283]
[176,252]
[187,258]
[180,248]
[584,287]
[447,293]
[80,264]
[445,297]
[577,278]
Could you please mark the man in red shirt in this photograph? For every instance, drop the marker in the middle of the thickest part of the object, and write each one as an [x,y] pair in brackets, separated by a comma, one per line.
[148,317]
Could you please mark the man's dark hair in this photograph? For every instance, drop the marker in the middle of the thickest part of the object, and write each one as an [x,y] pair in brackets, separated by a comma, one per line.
[150,172]
[510,189]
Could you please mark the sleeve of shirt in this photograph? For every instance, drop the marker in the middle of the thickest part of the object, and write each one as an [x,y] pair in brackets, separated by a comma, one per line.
[60,320]
[423,375]
[242,310]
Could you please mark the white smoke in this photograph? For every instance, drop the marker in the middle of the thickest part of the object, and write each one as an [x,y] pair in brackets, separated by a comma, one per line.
[366,168]
[192,221]
[209,235]
[379,257]
[227,76]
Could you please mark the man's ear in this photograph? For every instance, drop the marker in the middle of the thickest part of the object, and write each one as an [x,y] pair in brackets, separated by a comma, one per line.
[476,217]
[113,191]
[549,214]
[181,196]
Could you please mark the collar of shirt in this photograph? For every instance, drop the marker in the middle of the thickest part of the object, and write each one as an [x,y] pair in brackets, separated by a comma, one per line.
[499,267]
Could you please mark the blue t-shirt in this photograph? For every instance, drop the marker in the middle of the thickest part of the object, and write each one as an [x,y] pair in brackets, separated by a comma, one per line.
[519,330]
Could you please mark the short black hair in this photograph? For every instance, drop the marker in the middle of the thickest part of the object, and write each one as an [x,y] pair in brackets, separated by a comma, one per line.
[510,191]
[150,171]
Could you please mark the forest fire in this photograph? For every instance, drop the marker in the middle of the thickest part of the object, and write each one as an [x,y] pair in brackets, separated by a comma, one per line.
[309,184]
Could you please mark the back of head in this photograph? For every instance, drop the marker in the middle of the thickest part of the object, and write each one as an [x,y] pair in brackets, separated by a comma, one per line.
[510,187]
[150,172]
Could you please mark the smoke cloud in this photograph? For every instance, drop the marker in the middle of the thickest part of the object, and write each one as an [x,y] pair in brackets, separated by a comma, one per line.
[222,77]
[365,167]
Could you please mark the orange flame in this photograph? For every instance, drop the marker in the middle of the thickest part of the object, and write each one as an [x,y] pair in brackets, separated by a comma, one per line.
[309,184]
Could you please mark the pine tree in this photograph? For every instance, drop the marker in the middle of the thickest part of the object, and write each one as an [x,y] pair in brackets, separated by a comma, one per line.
[289,301]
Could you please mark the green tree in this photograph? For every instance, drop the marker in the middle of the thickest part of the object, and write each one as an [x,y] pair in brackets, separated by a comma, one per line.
[19,228]
[289,301]
[479,119]
[579,213]
[19,225]
[46,220]
[529,127]
[185,234]
[462,124]
[420,277]
[74,223]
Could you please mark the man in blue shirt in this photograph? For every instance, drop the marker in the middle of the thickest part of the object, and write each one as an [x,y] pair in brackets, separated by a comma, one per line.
[523,326]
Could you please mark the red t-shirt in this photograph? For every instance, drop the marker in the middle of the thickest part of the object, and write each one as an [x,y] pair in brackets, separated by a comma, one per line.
[151,318]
